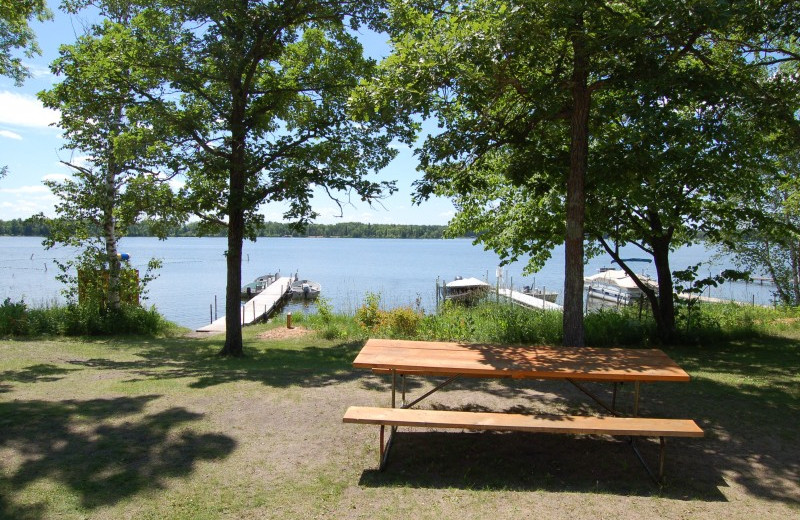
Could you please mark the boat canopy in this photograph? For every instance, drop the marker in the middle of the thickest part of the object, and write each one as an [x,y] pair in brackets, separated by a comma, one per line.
[467,282]
[616,277]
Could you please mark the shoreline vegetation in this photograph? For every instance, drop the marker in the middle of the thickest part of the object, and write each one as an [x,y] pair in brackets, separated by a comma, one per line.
[697,324]
[35,227]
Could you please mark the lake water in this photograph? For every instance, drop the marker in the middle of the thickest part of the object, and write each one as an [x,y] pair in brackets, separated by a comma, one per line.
[401,271]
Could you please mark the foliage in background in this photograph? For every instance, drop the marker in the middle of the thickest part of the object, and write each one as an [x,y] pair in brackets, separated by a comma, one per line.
[332,326]
[16,33]
[19,320]
[36,227]
[699,324]
[774,250]
[400,322]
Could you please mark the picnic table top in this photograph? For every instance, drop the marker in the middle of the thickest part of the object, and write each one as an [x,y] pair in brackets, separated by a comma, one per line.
[519,361]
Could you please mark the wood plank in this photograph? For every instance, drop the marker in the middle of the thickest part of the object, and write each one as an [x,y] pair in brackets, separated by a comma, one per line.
[638,426]
[522,361]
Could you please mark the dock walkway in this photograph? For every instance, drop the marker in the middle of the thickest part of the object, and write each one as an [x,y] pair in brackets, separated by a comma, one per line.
[526,300]
[263,304]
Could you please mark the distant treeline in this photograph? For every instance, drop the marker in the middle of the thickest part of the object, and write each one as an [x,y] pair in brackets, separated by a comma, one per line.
[36,227]
[30,227]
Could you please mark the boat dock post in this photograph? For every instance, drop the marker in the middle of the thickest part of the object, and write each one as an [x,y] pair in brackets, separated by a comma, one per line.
[270,299]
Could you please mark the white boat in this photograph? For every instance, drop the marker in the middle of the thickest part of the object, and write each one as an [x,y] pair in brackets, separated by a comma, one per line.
[615,286]
[466,289]
[305,289]
[258,285]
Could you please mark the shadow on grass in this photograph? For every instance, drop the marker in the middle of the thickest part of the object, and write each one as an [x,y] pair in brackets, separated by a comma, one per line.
[309,366]
[90,448]
[32,374]
[546,462]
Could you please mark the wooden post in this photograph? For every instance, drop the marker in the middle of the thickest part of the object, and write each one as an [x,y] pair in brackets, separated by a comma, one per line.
[215,306]
[288,320]
[210,314]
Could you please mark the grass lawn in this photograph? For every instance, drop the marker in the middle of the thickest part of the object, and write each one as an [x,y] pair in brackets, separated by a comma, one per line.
[161,428]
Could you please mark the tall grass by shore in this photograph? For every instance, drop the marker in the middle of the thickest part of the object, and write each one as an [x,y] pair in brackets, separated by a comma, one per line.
[20,320]
[706,323]
[489,321]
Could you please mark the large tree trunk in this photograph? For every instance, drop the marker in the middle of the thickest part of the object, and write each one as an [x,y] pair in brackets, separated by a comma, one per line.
[233,302]
[233,319]
[576,200]
[665,312]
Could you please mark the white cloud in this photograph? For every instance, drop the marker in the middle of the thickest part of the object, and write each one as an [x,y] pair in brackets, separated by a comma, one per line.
[24,201]
[25,111]
[38,71]
[26,190]
[10,135]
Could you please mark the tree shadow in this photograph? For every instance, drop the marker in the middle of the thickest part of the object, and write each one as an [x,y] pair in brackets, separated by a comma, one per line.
[89,447]
[32,374]
[311,366]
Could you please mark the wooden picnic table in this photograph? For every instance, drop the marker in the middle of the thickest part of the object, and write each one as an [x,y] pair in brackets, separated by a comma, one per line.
[519,361]
[577,365]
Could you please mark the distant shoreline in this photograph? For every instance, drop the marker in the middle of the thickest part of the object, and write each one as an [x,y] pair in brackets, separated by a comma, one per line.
[33,227]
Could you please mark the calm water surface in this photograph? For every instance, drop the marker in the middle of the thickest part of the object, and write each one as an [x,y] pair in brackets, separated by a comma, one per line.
[401,271]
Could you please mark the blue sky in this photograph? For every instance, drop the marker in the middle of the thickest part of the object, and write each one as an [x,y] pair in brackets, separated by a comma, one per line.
[32,148]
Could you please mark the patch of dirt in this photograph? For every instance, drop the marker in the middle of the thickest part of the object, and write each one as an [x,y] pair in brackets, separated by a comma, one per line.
[284,333]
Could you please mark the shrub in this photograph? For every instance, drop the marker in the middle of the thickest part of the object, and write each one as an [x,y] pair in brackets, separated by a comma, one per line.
[370,315]
[13,318]
[16,319]
[401,322]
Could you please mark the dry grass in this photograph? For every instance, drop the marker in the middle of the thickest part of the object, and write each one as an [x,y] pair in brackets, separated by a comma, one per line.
[163,429]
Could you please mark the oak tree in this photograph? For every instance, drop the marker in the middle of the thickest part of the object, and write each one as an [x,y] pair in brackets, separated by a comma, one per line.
[256,100]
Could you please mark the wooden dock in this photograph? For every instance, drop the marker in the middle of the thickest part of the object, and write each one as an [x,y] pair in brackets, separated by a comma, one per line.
[526,300]
[261,306]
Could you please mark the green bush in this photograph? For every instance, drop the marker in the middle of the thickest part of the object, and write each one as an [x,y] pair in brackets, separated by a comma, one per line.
[16,319]
[13,318]
[370,315]
[333,326]
[401,322]
[607,328]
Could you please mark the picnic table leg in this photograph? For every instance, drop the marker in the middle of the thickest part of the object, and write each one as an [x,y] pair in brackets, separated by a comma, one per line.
[386,446]
[661,457]
[394,386]
[614,398]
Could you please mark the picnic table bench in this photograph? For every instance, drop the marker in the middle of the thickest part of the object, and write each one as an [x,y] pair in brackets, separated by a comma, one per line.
[576,365]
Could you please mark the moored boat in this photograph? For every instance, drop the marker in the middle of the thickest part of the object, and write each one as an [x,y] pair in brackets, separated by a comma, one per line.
[615,286]
[259,284]
[305,289]
[466,289]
